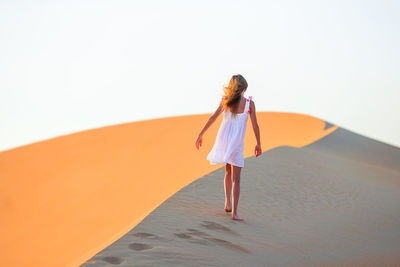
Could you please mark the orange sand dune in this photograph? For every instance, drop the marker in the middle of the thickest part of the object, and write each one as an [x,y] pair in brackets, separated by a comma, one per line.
[66,198]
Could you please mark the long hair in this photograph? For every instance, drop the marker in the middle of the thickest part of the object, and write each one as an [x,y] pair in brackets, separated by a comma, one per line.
[232,93]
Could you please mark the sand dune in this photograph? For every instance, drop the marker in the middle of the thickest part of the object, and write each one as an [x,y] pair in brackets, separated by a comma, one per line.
[65,199]
[323,204]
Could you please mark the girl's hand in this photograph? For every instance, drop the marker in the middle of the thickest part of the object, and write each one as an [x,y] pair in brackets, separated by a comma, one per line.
[257,150]
[199,142]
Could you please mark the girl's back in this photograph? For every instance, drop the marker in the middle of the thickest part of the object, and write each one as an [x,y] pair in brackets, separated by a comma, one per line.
[229,143]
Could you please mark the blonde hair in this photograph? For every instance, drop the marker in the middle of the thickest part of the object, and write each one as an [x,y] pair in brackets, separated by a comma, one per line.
[232,93]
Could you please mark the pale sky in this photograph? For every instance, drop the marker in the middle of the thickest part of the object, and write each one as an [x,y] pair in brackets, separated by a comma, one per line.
[69,66]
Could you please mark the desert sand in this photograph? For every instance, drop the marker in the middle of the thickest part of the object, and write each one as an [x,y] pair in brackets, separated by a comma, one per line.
[141,194]
[334,202]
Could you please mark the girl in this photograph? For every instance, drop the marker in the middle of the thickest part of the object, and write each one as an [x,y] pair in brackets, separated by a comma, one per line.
[229,143]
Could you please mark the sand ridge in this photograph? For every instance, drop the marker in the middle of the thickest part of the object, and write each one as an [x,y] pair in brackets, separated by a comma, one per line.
[307,206]
[66,198]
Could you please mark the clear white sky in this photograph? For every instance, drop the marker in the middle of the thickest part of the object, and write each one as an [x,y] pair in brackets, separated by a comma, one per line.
[68,66]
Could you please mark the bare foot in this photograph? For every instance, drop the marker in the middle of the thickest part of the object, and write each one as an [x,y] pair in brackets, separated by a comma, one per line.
[236,217]
[228,207]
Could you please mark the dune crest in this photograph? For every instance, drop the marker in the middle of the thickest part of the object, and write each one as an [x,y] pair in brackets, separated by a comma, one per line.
[66,198]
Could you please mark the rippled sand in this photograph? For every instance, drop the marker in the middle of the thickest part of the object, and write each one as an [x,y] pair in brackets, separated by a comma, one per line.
[334,202]
[66,198]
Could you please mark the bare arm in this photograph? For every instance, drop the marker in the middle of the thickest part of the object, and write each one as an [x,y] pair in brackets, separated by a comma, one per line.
[253,118]
[212,119]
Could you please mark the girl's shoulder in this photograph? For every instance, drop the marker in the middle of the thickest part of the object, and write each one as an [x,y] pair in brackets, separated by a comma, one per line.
[251,102]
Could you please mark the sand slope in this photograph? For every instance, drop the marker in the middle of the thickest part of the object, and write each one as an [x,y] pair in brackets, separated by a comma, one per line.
[334,202]
[64,199]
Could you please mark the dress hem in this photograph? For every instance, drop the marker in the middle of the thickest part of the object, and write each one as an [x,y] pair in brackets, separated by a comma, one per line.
[224,163]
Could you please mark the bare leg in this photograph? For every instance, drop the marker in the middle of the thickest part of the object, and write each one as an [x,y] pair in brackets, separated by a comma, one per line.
[236,191]
[228,187]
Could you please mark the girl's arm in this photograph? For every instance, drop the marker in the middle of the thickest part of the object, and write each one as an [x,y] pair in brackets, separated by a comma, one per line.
[212,119]
[253,118]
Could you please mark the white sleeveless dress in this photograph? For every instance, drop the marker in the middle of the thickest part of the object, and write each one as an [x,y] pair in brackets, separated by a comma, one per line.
[229,143]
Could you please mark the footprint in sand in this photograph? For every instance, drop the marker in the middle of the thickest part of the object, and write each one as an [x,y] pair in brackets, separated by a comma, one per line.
[217,227]
[139,246]
[113,260]
[196,232]
[145,235]
[183,235]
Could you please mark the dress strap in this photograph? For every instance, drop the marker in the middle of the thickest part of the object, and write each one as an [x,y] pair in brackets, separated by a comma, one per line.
[248,104]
